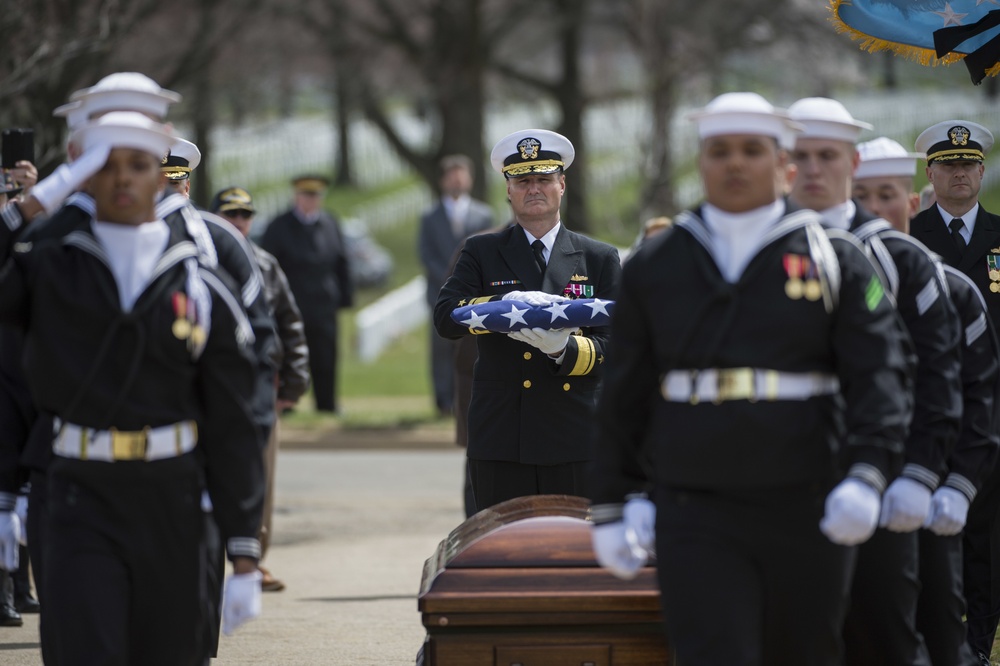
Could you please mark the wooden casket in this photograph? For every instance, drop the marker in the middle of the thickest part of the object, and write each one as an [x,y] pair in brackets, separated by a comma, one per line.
[518,585]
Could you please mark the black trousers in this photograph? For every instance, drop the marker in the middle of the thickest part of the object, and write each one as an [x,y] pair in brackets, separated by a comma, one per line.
[321,337]
[747,578]
[443,371]
[123,563]
[881,625]
[942,603]
[496,481]
[981,565]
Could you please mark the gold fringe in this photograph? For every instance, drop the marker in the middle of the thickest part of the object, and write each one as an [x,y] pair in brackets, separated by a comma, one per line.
[926,57]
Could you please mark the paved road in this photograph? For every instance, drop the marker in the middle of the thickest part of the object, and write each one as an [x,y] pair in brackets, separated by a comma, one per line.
[352,530]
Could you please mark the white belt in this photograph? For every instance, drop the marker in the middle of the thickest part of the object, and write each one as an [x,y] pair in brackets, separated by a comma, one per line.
[73,441]
[753,384]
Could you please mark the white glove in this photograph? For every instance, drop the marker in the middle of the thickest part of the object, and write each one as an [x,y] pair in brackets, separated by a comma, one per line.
[533,297]
[21,509]
[240,600]
[613,552]
[547,341]
[53,190]
[905,505]
[851,513]
[639,516]
[949,510]
[10,536]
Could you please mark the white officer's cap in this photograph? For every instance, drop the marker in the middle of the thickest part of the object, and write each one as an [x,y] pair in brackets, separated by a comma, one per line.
[952,140]
[183,158]
[884,157]
[824,118]
[532,151]
[744,113]
[125,129]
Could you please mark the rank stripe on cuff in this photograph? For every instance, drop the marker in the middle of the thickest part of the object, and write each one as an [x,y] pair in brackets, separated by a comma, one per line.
[869,474]
[480,299]
[921,474]
[606,513]
[11,215]
[7,501]
[243,547]
[962,485]
[585,356]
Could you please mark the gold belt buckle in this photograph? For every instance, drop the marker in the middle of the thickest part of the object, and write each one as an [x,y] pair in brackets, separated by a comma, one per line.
[735,384]
[129,445]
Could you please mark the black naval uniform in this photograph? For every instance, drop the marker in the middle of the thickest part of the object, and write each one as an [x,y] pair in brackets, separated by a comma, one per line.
[214,236]
[692,402]
[527,411]
[124,566]
[981,542]
[314,258]
[881,621]
[942,602]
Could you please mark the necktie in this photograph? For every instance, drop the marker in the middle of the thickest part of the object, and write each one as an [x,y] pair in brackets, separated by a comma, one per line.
[956,226]
[537,247]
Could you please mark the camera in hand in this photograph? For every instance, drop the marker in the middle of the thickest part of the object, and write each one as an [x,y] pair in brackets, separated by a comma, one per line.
[16,144]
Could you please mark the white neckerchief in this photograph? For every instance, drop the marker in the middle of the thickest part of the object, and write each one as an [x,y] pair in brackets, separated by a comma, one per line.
[969,220]
[839,216]
[737,236]
[457,210]
[133,252]
[548,240]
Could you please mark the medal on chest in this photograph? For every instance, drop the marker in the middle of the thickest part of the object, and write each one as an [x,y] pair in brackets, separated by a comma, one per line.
[803,278]
[993,271]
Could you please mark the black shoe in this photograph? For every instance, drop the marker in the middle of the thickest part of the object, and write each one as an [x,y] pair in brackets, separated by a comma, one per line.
[984,660]
[10,617]
[25,603]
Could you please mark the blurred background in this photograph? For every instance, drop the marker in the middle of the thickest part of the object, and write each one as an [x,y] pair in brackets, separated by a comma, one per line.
[375,92]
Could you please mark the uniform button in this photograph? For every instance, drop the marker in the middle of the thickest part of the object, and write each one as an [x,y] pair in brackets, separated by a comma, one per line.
[527,356]
[527,383]
[566,387]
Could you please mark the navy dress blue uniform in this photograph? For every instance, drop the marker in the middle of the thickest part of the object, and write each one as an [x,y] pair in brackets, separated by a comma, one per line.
[881,622]
[942,600]
[977,258]
[525,408]
[123,540]
[740,470]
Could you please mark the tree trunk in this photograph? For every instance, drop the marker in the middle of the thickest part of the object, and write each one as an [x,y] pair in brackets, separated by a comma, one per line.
[572,104]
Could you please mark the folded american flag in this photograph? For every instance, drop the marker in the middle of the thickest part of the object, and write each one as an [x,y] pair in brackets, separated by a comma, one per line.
[507,316]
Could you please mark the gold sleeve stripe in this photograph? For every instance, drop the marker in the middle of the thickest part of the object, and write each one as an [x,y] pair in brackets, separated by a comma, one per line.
[479,331]
[480,299]
[585,356]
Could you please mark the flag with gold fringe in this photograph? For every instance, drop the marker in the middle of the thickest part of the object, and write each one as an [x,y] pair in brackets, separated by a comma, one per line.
[931,32]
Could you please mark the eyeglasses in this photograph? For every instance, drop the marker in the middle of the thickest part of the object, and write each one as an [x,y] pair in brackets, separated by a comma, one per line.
[244,214]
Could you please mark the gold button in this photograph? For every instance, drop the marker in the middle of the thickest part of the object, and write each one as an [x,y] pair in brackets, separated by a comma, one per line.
[527,383]
[527,356]
[566,387]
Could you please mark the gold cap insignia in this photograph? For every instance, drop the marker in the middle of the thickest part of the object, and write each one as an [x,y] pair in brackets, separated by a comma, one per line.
[959,135]
[529,148]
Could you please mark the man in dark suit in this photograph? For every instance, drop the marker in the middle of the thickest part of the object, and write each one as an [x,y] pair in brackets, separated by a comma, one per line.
[455,217]
[534,390]
[309,247]
[967,237]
